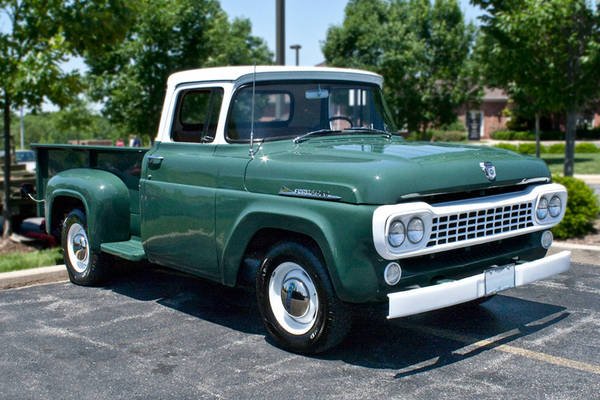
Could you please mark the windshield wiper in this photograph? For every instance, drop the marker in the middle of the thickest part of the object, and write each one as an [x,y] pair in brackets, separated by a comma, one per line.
[365,129]
[305,136]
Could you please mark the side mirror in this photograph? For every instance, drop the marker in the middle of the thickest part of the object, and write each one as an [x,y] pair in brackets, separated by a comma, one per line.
[27,191]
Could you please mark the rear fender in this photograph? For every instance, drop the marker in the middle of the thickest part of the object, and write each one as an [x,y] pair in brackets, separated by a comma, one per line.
[104,196]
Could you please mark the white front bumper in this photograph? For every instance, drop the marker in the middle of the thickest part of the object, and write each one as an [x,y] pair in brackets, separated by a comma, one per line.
[429,298]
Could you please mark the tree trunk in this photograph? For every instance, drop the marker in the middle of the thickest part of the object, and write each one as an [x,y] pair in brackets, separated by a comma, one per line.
[537,135]
[6,201]
[570,142]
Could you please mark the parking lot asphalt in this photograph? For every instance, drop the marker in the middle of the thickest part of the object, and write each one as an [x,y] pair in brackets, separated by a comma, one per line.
[154,334]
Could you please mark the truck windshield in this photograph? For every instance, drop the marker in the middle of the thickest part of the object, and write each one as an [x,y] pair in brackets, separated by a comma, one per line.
[287,110]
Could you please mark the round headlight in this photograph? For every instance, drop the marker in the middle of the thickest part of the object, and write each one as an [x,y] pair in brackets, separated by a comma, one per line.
[542,208]
[392,273]
[554,206]
[396,234]
[416,229]
[547,239]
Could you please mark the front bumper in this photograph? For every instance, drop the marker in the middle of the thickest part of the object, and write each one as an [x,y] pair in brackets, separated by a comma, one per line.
[415,301]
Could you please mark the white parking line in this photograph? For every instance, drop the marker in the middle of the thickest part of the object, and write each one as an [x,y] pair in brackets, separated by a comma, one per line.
[474,344]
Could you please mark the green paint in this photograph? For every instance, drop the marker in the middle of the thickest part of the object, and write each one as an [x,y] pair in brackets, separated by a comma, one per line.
[197,207]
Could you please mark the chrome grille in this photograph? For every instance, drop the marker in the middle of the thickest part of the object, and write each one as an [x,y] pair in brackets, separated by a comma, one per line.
[475,224]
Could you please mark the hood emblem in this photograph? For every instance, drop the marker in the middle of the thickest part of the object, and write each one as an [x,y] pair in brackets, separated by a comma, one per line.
[308,193]
[489,170]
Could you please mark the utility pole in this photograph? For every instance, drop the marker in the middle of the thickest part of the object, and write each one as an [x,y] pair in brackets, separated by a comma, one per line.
[280,32]
[22,130]
[296,47]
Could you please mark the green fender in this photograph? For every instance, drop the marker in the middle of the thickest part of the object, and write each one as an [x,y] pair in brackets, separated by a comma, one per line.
[104,196]
[352,264]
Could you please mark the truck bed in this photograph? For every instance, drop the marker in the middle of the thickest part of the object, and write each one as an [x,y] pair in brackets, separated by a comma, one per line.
[124,162]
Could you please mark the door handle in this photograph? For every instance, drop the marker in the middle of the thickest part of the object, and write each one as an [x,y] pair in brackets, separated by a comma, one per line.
[155,159]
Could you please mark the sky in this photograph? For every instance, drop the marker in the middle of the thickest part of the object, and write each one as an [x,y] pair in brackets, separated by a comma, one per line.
[306,23]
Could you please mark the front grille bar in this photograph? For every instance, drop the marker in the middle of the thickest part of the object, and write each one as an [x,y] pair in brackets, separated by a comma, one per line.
[451,228]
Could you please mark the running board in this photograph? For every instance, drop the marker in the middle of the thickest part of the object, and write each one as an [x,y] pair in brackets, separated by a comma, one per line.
[131,249]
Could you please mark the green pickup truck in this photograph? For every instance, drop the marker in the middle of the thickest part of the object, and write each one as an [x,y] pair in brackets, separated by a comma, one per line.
[294,181]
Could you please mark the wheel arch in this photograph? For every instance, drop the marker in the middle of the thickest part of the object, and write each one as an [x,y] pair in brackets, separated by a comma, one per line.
[252,238]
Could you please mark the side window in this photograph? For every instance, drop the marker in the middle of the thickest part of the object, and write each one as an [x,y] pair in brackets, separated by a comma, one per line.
[197,115]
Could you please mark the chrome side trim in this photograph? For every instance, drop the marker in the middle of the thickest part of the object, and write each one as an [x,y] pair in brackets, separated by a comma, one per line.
[527,181]
[308,193]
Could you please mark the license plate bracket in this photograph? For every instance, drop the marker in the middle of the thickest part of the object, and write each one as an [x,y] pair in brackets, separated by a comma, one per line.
[499,278]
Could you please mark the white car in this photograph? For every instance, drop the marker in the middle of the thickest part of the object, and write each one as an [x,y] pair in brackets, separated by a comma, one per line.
[26,157]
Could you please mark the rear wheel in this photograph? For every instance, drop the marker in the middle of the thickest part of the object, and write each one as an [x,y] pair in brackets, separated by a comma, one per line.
[84,265]
[297,302]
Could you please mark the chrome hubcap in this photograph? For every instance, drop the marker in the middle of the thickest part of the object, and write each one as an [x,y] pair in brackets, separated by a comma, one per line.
[78,248]
[293,298]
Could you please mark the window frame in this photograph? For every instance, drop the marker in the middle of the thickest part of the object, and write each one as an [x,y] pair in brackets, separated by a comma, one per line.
[213,110]
[235,91]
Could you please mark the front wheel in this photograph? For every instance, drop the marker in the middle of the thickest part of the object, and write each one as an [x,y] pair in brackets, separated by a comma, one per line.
[297,302]
[85,266]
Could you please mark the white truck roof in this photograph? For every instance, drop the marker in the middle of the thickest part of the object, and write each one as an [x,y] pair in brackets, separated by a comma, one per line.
[243,74]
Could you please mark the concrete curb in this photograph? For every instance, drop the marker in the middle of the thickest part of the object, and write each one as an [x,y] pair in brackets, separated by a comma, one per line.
[58,273]
[34,276]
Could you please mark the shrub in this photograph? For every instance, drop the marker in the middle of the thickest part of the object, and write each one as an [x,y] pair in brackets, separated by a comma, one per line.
[506,146]
[529,148]
[586,148]
[449,136]
[528,135]
[416,136]
[582,209]
[454,126]
[557,148]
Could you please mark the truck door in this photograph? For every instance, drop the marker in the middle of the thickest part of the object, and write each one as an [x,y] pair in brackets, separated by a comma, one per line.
[178,187]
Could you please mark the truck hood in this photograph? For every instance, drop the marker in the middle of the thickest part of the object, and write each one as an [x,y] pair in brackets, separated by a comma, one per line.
[377,170]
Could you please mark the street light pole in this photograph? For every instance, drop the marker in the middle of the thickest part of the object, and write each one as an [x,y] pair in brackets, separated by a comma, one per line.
[296,47]
[280,32]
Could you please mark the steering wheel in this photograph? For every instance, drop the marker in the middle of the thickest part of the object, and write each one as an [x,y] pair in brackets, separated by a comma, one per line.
[342,117]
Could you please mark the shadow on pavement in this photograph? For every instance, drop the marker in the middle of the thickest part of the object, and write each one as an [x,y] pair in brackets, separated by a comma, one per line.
[231,307]
[410,345]
[432,340]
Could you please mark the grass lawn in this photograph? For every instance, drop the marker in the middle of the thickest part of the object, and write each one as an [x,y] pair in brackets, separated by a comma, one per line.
[585,163]
[34,259]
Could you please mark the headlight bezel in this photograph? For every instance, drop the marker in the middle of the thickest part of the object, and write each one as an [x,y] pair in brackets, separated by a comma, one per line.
[546,198]
[385,214]
[405,218]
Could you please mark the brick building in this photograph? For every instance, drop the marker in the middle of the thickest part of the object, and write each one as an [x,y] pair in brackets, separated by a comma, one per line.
[487,117]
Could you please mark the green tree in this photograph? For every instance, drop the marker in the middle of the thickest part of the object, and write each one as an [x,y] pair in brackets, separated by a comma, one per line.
[31,51]
[36,37]
[421,49]
[548,51]
[168,36]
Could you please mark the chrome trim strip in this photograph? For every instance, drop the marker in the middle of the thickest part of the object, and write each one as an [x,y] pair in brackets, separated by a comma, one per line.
[308,194]
[527,181]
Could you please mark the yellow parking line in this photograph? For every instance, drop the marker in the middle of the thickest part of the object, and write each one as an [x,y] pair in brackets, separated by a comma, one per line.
[474,344]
